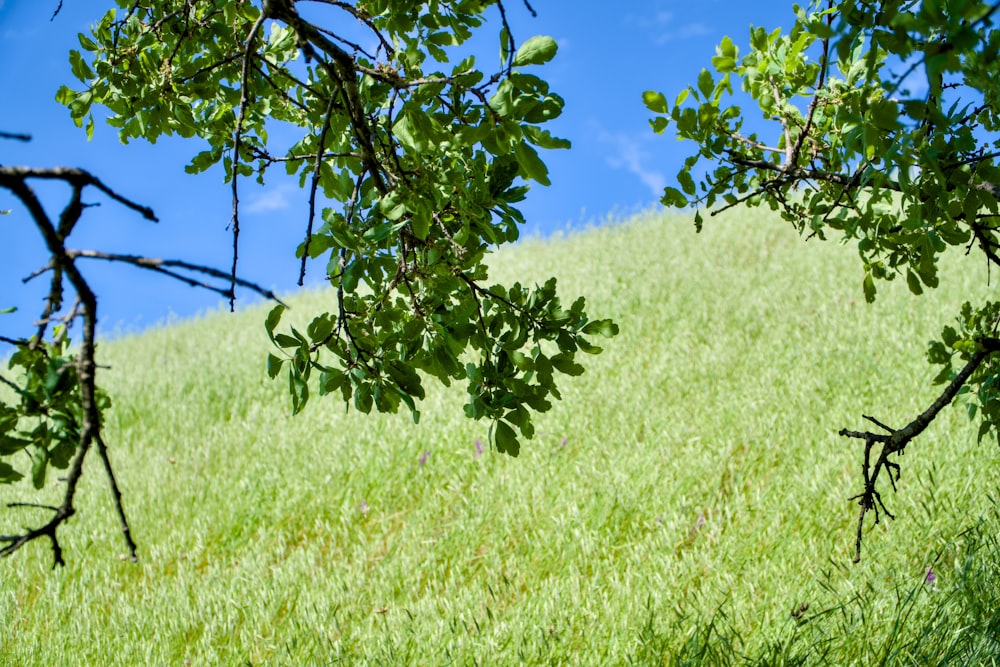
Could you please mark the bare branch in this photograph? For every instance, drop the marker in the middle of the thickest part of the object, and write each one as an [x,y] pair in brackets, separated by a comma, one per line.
[897,439]
[102,449]
[15,137]
[164,265]
[314,186]
[76,177]
[237,144]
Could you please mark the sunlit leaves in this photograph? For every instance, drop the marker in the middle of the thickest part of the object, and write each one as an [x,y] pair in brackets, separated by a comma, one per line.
[421,169]
[536,51]
[655,102]
[898,161]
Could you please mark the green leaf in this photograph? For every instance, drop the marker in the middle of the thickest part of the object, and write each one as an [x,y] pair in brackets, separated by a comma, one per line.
[531,165]
[687,183]
[421,225]
[298,387]
[587,347]
[330,381]
[286,341]
[673,197]
[203,160]
[274,365]
[9,445]
[705,83]
[273,318]
[606,328]
[86,42]
[506,440]
[543,138]
[885,114]
[39,465]
[567,365]
[504,45]
[984,429]
[393,206]
[8,475]
[536,51]
[81,70]
[869,288]
[320,328]
[655,102]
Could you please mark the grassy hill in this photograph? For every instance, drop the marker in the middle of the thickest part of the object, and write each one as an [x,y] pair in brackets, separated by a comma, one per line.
[687,495]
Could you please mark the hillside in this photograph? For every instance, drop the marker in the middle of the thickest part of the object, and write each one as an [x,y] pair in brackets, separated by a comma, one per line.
[684,498]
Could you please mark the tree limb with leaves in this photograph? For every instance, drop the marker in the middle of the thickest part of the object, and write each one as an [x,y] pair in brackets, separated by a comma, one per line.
[55,417]
[413,168]
[418,163]
[885,133]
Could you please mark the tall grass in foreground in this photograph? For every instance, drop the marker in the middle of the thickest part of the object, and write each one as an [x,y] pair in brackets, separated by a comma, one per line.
[686,503]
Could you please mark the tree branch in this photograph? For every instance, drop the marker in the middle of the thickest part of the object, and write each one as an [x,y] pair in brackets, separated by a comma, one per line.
[813,103]
[164,265]
[76,177]
[237,144]
[314,186]
[15,136]
[896,440]
[63,265]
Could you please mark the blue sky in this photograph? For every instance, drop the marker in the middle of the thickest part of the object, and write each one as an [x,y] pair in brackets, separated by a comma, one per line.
[609,54]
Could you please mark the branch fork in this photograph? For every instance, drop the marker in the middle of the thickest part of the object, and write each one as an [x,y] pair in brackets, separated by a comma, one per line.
[895,440]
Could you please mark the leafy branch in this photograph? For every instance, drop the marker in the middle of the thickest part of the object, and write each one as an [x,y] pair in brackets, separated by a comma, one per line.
[418,157]
[894,441]
[901,176]
[58,417]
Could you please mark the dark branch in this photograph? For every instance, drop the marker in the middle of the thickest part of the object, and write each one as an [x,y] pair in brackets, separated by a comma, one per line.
[896,440]
[15,137]
[237,144]
[314,186]
[102,449]
[75,177]
[164,265]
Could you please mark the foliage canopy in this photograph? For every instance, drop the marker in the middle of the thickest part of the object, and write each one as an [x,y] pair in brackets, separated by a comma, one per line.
[886,120]
[414,166]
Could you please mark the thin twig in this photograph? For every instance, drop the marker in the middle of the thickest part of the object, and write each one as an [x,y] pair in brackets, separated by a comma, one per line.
[237,144]
[102,449]
[164,265]
[15,137]
[314,186]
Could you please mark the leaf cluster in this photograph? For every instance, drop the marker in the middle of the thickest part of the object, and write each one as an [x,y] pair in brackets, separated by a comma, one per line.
[414,159]
[41,426]
[860,148]
[884,132]
[974,328]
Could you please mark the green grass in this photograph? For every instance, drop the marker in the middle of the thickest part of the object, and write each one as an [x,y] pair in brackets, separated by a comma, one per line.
[684,498]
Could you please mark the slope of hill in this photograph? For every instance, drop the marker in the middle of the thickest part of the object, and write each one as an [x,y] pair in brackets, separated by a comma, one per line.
[685,503]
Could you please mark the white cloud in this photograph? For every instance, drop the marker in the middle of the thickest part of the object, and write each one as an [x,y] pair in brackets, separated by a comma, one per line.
[686,31]
[660,18]
[662,27]
[630,156]
[275,199]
